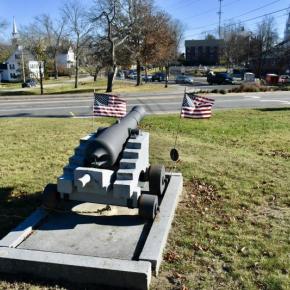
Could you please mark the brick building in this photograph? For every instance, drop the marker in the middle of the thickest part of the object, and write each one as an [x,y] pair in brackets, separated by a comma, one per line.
[204,52]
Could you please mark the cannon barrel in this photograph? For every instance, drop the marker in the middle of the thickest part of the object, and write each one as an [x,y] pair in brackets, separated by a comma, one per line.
[108,144]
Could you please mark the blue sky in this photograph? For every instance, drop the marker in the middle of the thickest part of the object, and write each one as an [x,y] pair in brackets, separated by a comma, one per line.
[198,16]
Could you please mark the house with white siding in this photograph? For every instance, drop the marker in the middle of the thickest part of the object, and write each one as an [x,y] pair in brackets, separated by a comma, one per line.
[65,58]
[20,62]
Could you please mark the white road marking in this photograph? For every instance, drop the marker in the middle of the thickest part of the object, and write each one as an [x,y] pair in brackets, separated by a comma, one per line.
[252,97]
[130,104]
[274,101]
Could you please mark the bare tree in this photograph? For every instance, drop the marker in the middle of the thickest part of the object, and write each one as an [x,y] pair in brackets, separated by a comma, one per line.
[5,51]
[80,29]
[53,30]
[3,26]
[283,58]
[36,43]
[236,44]
[161,39]
[266,37]
[113,17]
[96,57]
[175,28]
[141,15]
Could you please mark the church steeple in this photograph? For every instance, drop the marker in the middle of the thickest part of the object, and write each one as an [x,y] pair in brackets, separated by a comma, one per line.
[14,33]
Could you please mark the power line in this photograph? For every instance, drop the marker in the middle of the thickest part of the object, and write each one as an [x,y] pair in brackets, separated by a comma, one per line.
[259,8]
[250,19]
[184,4]
[213,9]
[214,30]
[247,12]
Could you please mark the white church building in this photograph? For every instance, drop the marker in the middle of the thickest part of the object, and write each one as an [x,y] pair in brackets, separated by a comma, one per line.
[20,62]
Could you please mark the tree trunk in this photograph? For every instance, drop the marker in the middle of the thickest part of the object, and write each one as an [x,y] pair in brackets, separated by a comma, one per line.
[138,83]
[55,69]
[146,74]
[40,78]
[77,73]
[110,81]
[112,68]
[111,75]
[166,75]
[96,74]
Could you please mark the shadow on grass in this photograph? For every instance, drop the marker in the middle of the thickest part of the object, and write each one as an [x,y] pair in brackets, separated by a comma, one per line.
[274,109]
[73,91]
[54,284]
[24,115]
[5,192]
[17,93]
[15,208]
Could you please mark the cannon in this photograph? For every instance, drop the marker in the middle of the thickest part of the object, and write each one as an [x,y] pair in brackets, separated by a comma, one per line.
[111,166]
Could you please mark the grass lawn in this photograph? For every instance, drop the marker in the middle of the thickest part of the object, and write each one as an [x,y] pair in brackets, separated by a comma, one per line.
[10,86]
[85,87]
[231,229]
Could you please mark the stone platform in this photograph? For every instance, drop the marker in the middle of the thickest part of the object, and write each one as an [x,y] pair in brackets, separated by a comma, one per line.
[91,244]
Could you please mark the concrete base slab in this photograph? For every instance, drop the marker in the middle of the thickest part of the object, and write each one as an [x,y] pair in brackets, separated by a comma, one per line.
[89,243]
[76,268]
[98,235]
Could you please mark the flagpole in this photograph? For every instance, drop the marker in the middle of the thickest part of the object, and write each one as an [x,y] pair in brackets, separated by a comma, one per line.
[174,151]
[179,122]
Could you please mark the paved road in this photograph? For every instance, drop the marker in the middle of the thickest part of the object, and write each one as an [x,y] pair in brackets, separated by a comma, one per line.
[167,102]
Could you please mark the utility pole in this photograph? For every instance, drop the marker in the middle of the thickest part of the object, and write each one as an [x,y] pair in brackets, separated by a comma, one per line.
[220,17]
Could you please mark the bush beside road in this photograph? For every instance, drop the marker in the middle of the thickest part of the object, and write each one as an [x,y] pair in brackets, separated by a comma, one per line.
[231,230]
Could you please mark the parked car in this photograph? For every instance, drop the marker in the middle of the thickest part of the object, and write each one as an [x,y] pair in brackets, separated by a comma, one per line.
[219,78]
[158,77]
[249,77]
[272,79]
[129,72]
[120,75]
[132,76]
[284,79]
[182,79]
[147,78]
[29,83]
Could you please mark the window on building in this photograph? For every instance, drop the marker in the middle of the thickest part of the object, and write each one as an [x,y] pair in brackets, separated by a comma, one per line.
[17,56]
[193,51]
[12,66]
[200,50]
[208,50]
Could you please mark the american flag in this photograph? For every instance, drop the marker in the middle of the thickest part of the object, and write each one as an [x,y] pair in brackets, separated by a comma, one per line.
[196,107]
[109,106]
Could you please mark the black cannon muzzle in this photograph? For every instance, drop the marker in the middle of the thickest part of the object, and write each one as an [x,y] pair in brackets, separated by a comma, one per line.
[105,149]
